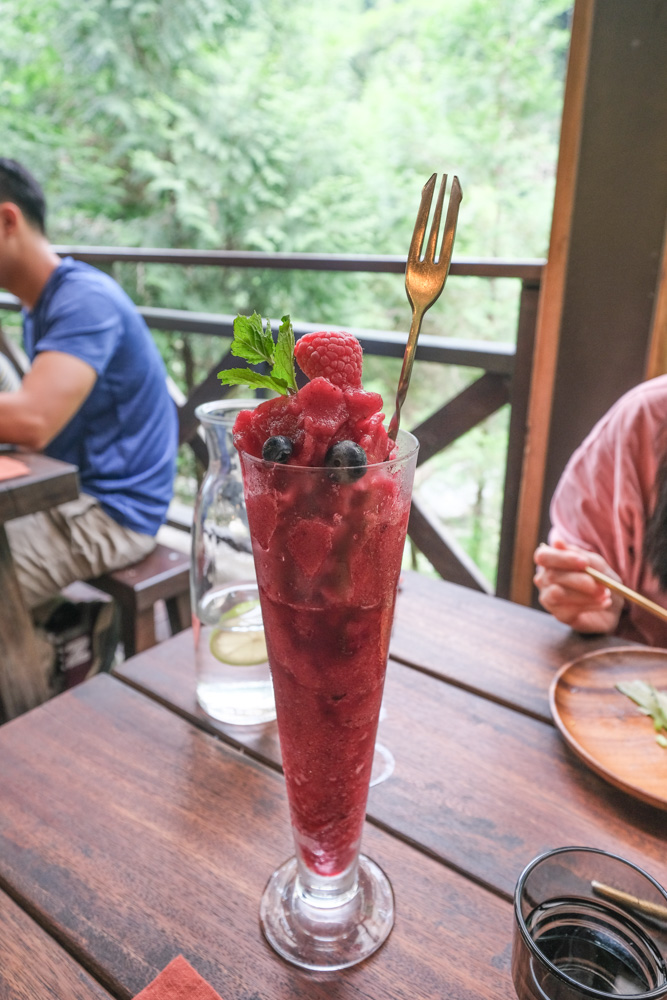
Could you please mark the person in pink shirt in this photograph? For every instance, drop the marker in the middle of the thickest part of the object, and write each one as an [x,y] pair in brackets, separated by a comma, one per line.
[609,511]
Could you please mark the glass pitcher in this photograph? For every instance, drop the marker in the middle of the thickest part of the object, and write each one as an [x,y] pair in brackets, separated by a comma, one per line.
[233,676]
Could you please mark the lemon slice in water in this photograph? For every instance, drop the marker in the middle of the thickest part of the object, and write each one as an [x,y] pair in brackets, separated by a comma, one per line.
[240,641]
[244,614]
[239,649]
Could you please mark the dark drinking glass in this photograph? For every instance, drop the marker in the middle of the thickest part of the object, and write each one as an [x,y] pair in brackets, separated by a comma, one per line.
[588,924]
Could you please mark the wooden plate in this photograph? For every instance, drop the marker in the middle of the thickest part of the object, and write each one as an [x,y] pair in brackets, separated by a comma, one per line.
[604,727]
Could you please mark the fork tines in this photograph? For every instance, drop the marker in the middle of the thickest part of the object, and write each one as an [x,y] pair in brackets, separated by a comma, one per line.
[414,254]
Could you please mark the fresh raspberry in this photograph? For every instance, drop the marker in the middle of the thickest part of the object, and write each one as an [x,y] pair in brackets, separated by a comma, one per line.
[335,356]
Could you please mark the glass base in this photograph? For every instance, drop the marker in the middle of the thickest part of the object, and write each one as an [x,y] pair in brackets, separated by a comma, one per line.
[325,937]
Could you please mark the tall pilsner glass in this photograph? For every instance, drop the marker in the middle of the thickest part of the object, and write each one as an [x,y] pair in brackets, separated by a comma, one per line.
[328,549]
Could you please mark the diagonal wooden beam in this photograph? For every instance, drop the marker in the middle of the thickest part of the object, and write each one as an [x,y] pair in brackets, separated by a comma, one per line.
[15,357]
[210,388]
[443,551]
[458,416]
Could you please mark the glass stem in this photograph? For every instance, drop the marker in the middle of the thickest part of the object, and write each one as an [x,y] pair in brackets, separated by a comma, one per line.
[327,891]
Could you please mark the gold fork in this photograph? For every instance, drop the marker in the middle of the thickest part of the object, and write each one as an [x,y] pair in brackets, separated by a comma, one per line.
[425,279]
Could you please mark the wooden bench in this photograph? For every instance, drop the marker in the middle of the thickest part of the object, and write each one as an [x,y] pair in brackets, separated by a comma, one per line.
[162,575]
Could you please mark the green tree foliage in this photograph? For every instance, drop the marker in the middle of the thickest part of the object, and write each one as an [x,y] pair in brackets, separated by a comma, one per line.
[276,126]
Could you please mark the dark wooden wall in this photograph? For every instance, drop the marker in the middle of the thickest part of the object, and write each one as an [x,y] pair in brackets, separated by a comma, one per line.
[607,239]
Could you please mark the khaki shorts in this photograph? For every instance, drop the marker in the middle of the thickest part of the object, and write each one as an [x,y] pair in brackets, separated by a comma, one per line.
[75,541]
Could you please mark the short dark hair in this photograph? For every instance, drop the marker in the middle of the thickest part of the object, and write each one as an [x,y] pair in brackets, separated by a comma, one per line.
[655,530]
[19,186]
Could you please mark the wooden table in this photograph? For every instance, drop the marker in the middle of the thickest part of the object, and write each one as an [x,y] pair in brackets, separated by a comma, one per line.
[22,684]
[134,828]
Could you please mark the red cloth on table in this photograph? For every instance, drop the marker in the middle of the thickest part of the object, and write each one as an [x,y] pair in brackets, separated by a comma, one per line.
[178,981]
[12,467]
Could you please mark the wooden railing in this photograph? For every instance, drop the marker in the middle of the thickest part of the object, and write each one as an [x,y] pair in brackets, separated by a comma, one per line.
[506,373]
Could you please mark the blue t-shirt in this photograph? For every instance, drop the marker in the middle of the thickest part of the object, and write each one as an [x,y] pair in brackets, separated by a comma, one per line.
[125,436]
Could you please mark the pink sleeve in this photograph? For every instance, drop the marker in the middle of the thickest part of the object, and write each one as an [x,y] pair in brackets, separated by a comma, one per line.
[606,491]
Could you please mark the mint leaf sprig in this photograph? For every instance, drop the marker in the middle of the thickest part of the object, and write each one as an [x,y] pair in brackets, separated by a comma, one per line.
[255,344]
[650,702]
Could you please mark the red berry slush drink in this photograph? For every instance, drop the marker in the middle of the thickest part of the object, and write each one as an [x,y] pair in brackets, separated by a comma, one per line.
[328,499]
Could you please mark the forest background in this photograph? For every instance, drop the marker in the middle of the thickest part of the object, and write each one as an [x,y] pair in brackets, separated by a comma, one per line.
[300,127]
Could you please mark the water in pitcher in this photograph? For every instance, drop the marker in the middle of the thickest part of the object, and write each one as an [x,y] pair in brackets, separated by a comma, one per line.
[233,677]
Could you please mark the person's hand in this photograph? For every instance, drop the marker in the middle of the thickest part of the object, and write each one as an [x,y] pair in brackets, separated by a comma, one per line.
[570,594]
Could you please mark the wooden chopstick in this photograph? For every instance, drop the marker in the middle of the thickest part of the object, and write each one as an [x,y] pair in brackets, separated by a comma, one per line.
[630,595]
[654,910]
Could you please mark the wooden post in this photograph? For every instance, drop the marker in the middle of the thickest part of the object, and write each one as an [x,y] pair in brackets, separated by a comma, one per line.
[596,304]
[521,376]
[657,355]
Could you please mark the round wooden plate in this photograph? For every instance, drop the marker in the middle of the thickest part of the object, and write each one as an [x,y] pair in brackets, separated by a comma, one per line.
[604,727]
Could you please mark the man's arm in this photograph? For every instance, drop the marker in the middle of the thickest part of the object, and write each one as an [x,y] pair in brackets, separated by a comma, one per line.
[51,393]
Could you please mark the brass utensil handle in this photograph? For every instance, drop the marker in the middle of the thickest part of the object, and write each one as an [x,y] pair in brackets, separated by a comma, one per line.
[630,595]
[644,906]
[406,369]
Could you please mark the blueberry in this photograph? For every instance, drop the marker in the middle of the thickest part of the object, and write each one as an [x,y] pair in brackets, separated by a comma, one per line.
[277,449]
[348,460]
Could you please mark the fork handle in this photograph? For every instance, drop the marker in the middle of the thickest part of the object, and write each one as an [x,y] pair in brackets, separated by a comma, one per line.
[406,370]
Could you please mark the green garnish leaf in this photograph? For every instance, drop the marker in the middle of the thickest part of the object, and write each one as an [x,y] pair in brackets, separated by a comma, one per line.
[252,341]
[650,702]
[283,367]
[255,345]
[245,376]
[641,693]
[661,698]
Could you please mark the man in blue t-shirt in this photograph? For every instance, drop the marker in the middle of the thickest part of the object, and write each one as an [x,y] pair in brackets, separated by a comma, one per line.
[95,395]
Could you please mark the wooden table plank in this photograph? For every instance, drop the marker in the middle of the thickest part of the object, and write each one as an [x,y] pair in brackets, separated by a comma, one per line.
[497,648]
[487,788]
[33,966]
[137,836]
[49,483]
[166,672]
[493,647]
[479,785]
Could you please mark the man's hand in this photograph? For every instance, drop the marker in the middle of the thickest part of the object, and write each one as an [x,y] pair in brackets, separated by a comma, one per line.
[570,594]
[54,389]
